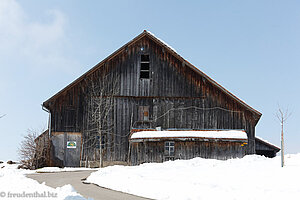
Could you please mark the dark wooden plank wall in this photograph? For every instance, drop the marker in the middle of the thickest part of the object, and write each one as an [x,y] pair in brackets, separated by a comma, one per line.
[172,85]
[266,150]
[149,151]
[261,146]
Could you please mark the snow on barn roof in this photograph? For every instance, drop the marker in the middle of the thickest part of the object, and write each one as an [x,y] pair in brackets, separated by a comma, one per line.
[161,41]
[204,134]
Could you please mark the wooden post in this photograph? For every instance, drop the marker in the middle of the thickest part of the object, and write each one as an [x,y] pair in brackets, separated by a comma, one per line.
[282,117]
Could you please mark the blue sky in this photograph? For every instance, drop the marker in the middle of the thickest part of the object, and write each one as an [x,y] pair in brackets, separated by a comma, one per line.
[252,48]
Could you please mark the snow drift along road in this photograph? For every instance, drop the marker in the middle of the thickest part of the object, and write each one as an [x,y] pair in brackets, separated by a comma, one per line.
[252,177]
[14,185]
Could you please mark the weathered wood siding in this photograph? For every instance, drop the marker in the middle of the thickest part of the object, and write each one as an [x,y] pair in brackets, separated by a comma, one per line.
[178,98]
[154,151]
[66,157]
[42,151]
[261,146]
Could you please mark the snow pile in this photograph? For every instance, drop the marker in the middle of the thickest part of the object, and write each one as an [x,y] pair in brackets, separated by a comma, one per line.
[252,177]
[224,134]
[57,169]
[14,185]
[13,169]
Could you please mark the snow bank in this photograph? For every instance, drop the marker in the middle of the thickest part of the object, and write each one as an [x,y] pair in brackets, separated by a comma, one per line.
[14,185]
[252,177]
[220,134]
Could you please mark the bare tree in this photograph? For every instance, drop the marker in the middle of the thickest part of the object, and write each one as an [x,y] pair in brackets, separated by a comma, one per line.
[31,150]
[282,116]
[100,103]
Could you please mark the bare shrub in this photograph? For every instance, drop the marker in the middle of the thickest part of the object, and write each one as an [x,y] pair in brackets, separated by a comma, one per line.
[31,150]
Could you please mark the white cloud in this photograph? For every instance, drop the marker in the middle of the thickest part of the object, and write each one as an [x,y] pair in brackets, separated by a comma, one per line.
[38,43]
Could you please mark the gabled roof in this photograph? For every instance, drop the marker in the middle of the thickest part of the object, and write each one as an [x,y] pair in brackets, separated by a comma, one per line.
[172,51]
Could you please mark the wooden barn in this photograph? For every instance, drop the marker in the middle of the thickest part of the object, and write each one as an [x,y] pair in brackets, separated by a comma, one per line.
[146,86]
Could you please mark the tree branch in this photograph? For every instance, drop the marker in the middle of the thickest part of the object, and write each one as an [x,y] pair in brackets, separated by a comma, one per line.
[2,116]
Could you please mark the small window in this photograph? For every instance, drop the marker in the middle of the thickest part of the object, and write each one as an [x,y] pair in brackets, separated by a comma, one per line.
[145,58]
[169,150]
[144,113]
[145,67]
[144,74]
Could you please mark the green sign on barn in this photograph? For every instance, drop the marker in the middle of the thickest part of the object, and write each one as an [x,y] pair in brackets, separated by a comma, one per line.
[71,144]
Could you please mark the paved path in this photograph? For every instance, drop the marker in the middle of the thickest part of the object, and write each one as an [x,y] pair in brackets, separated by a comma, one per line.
[87,190]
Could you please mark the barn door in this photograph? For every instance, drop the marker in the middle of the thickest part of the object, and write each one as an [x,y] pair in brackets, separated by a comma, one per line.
[72,149]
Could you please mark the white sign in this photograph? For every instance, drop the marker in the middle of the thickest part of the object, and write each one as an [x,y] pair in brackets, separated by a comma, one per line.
[71,145]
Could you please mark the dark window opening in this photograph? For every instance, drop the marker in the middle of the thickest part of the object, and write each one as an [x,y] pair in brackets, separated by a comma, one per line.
[144,74]
[145,58]
[145,67]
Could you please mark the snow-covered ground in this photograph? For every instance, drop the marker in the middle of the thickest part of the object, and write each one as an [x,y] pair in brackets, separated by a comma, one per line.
[252,177]
[14,185]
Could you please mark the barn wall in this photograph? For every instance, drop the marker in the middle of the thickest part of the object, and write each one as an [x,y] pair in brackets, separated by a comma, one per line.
[42,152]
[265,150]
[262,146]
[177,96]
[164,113]
[153,151]
[63,156]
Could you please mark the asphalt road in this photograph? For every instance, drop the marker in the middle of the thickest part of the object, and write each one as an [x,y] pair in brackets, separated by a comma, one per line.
[87,190]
